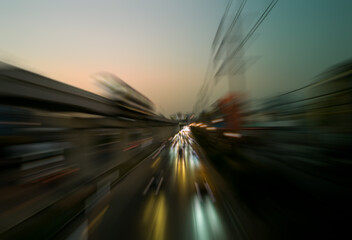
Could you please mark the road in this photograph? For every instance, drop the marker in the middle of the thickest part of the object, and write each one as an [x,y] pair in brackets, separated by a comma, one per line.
[173,194]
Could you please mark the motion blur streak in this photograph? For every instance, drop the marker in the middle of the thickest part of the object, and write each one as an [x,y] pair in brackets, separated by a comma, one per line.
[293,150]
[201,227]
[221,177]
[208,223]
[63,149]
[96,220]
[264,154]
[155,218]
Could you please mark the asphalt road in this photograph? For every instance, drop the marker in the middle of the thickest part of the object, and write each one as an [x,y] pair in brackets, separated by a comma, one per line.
[172,194]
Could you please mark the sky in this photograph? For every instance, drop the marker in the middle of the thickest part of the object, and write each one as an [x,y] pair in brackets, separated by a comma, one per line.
[162,47]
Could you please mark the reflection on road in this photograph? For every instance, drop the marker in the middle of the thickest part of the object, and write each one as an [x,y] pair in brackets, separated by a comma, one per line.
[208,224]
[171,196]
[155,215]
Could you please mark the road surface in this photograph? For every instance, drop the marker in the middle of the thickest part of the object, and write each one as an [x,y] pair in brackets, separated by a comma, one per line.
[173,194]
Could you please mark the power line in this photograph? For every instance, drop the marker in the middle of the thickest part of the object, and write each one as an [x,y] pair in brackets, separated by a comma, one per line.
[249,34]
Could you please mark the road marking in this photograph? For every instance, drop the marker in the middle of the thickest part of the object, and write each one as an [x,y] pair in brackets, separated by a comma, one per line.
[158,151]
[157,190]
[148,186]
[95,220]
[156,162]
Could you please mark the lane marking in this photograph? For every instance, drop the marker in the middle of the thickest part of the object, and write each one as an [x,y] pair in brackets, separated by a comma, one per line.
[148,186]
[159,151]
[156,162]
[157,190]
[95,220]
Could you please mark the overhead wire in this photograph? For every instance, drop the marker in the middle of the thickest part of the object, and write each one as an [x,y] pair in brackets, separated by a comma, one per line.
[249,34]
[208,77]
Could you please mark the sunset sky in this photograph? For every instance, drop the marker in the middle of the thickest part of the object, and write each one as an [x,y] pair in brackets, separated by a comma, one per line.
[162,47]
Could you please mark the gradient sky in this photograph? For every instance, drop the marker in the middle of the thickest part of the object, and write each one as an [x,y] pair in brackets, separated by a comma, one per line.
[162,47]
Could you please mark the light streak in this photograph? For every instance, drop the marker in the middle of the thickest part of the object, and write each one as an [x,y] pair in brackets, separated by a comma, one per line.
[217,120]
[235,135]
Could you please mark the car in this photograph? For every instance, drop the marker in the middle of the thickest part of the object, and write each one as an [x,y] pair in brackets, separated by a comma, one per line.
[203,190]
